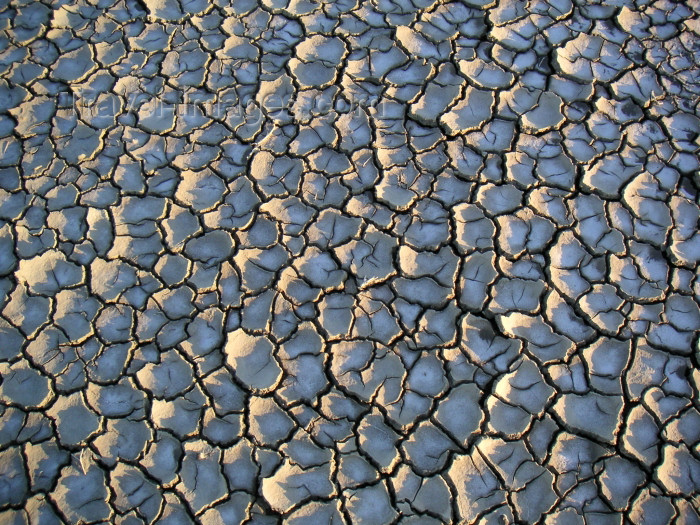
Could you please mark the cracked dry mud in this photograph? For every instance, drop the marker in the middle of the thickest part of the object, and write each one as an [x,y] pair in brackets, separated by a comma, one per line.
[349,262]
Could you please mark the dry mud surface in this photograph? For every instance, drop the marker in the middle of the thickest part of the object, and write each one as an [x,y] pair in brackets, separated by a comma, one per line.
[349,262]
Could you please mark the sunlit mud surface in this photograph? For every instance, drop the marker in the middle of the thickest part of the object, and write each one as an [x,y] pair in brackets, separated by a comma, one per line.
[389,261]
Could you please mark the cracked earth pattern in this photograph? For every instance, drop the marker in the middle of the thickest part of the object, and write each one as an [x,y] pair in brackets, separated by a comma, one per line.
[349,262]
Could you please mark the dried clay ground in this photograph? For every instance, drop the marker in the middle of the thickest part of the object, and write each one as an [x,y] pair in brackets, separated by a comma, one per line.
[349,262]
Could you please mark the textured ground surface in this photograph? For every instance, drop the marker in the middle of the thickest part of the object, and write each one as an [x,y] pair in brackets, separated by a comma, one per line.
[391,262]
